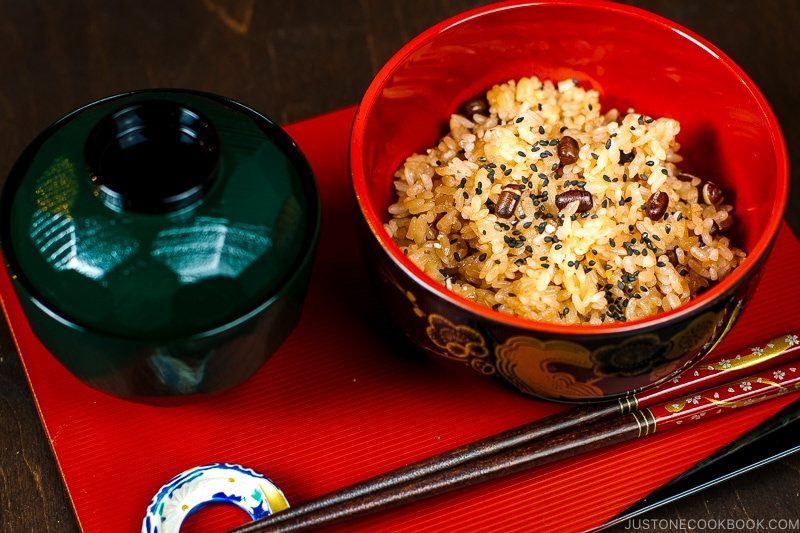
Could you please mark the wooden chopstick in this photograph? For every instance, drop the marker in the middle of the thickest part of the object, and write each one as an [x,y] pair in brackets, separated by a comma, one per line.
[576,430]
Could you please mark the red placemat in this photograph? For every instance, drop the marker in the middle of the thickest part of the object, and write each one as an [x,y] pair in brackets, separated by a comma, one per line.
[346,398]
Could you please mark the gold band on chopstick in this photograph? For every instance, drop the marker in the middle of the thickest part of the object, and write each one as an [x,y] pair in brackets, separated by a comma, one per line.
[628,404]
[646,421]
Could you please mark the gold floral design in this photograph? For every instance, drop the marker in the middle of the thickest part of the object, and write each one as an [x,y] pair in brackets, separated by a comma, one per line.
[458,342]
[632,357]
[691,339]
[528,364]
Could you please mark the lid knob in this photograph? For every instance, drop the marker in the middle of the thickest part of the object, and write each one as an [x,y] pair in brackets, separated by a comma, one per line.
[155,156]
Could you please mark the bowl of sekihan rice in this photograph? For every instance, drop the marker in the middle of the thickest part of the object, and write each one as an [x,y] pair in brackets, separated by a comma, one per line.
[577,197]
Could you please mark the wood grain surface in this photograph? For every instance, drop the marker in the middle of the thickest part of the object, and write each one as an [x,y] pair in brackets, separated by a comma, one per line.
[291,60]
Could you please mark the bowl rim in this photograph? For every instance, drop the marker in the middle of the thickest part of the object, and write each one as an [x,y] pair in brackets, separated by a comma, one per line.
[755,257]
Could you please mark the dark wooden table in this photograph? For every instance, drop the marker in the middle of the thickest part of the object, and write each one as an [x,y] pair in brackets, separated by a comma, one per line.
[294,59]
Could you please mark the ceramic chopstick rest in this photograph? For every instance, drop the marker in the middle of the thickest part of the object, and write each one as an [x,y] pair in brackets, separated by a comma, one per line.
[212,483]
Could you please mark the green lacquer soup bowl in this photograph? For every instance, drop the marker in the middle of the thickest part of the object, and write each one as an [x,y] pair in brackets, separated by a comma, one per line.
[161,241]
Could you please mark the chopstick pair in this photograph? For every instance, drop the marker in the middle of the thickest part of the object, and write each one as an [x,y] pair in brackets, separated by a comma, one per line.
[698,393]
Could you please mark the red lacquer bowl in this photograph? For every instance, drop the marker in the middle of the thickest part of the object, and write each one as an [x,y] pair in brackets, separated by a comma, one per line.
[632,58]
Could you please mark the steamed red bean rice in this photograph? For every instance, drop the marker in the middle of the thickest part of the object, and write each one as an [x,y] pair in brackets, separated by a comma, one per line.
[538,205]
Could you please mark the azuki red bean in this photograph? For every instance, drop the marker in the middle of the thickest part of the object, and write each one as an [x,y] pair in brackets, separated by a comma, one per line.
[712,195]
[627,158]
[507,201]
[672,256]
[684,176]
[584,199]
[656,205]
[478,105]
[568,150]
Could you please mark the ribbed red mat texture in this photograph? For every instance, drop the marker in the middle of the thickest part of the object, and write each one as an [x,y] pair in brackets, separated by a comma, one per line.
[346,398]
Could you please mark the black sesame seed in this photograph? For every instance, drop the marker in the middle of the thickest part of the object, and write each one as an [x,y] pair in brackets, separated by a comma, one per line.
[667,228]
[443,272]
[640,120]
[650,163]
[507,172]
[482,257]
[496,261]
[521,153]
[665,171]
[541,130]
[594,155]
[608,144]
[557,247]
[466,195]
[520,119]
[457,257]
[612,243]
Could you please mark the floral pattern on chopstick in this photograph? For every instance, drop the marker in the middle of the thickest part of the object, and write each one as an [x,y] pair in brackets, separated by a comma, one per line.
[746,391]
